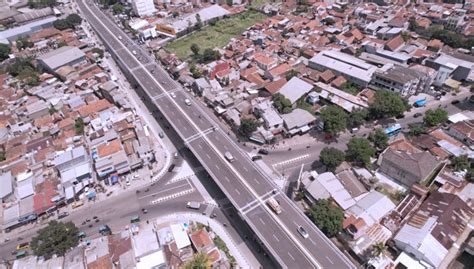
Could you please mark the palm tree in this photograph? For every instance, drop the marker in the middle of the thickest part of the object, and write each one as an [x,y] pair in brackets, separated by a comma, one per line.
[199,261]
[379,249]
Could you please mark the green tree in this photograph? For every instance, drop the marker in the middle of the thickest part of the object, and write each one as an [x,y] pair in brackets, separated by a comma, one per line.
[55,239]
[79,126]
[247,127]
[329,21]
[4,52]
[460,163]
[291,74]
[210,55]
[351,88]
[379,249]
[3,156]
[74,19]
[417,129]
[118,8]
[200,261]
[198,22]
[331,158]
[388,104]
[20,66]
[195,71]
[357,118]
[334,119]
[281,103]
[379,138]
[413,25]
[438,116]
[327,217]
[195,49]
[359,151]
[61,24]
[23,43]
[99,51]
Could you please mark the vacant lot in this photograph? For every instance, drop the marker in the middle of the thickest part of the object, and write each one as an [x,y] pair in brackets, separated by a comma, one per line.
[215,36]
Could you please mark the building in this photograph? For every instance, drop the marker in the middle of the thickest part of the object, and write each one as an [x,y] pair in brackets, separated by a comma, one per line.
[295,89]
[401,80]
[180,26]
[345,100]
[407,167]
[353,69]
[435,227]
[463,131]
[326,186]
[143,7]
[299,121]
[450,66]
[66,55]
[13,34]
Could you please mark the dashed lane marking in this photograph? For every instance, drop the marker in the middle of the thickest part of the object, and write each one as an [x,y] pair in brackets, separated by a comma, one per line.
[293,160]
[172,196]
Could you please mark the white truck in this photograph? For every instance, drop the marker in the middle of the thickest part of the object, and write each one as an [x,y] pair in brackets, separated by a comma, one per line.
[274,205]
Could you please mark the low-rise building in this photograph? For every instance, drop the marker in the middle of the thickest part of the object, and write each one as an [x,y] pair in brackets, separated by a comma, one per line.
[398,79]
[66,55]
[299,121]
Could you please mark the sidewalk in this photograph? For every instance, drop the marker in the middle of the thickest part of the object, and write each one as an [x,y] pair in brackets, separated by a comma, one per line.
[241,253]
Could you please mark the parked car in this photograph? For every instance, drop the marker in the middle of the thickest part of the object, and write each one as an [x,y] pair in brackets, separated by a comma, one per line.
[63,215]
[187,102]
[256,157]
[417,115]
[454,102]
[171,168]
[263,151]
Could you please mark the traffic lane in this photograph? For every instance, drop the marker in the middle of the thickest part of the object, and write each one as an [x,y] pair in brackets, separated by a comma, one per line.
[162,76]
[317,244]
[177,187]
[246,171]
[222,174]
[277,240]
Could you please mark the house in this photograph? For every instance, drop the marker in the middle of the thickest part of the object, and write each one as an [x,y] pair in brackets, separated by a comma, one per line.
[399,79]
[326,186]
[66,55]
[295,89]
[265,62]
[298,121]
[352,68]
[435,227]
[345,100]
[264,109]
[201,241]
[455,66]
[278,71]
[407,167]
[463,131]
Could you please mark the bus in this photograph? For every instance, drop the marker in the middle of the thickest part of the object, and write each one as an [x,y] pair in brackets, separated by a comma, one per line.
[393,130]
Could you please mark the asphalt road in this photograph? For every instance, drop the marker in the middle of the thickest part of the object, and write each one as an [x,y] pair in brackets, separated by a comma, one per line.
[243,183]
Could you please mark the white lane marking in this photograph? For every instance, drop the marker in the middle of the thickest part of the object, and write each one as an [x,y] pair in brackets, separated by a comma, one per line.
[245,168]
[256,181]
[312,241]
[237,191]
[200,146]
[276,238]
[207,155]
[217,167]
[226,178]
[261,220]
[329,260]
[291,256]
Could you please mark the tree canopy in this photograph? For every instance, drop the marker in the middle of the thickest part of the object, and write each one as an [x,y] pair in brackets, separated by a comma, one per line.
[359,151]
[327,217]
[195,48]
[118,8]
[56,238]
[357,118]
[331,158]
[23,43]
[71,21]
[334,119]
[281,103]
[200,261]
[41,3]
[388,104]
[435,117]
[460,163]
[4,52]
[247,127]
[379,138]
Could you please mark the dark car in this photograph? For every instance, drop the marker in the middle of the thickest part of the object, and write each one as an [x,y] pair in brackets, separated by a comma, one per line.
[257,157]
[417,115]
[263,151]
[171,167]
[63,215]
[454,102]
[438,97]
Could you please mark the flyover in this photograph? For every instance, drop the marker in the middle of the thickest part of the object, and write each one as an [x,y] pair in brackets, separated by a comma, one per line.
[244,184]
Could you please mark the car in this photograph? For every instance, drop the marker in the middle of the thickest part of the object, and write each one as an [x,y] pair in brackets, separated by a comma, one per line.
[173,95]
[144,210]
[187,102]
[417,115]
[454,102]
[120,37]
[161,134]
[438,97]
[263,151]
[134,52]
[229,156]
[257,157]
[23,246]
[303,232]
[63,215]
[128,182]
[171,168]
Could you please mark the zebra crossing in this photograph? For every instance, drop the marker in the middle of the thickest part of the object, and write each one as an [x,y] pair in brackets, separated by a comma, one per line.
[291,161]
[172,196]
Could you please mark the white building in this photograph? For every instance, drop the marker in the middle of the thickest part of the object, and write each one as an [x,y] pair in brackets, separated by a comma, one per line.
[143,7]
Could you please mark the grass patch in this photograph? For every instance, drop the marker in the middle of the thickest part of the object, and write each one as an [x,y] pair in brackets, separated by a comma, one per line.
[217,35]
[220,244]
[351,88]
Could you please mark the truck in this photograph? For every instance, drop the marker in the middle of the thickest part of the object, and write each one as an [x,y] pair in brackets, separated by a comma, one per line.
[274,205]
[193,205]
[229,156]
[420,103]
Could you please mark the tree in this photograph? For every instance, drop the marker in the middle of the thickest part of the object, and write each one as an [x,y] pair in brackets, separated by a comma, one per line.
[359,151]
[61,24]
[281,103]
[247,127]
[331,158]
[74,19]
[99,51]
[3,156]
[460,163]
[379,249]
[4,52]
[55,239]
[118,8]
[357,118]
[291,74]
[329,21]
[438,116]
[200,261]
[379,138]
[334,119]
[195,49]
[210,55]
[388,104]
[327,217]
[79,126]
[417,129]
[20,66]
[195,71]
[413,25]
[23,43]
[198,22]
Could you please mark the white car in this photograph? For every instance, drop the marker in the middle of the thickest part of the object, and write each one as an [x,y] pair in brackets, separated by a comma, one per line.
[187,102]
[134,52]
[303,232]
[173,95]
